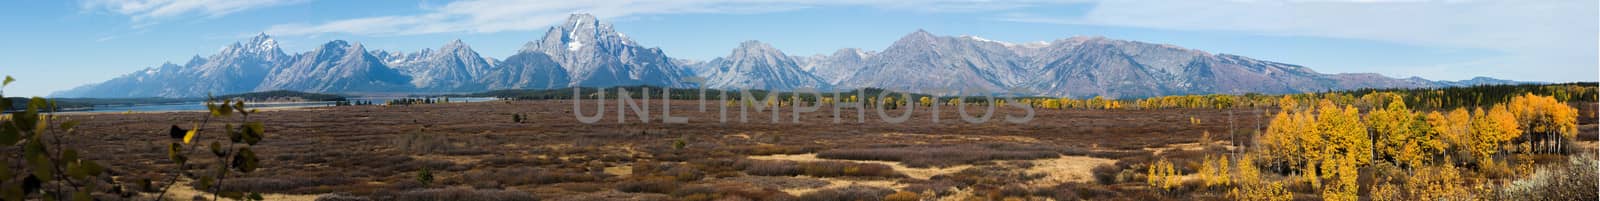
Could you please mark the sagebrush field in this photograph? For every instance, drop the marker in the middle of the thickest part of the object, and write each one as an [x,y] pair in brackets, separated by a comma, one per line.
[1303,147]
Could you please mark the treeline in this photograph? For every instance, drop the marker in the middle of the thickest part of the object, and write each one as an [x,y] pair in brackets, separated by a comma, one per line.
[282,95]
[1486,95]
[1420,99]
[71,104]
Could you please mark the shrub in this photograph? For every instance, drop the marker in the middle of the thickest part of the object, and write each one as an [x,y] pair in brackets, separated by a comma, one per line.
[728,191]
[1576,180]
[988,176]
[648,185]
[1105,174]
[425,176]
[260,184]
[817,169]
[1272,191]
[421,142]
[847,169]
[1079,191]
[460,194]
[903,196]
[854,193]
[341,197]
[769,149]
[770,167]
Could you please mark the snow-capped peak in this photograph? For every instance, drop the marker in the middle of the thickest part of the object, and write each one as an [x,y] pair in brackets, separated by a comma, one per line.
[454,44]
[574,45]
[263,43]
[981,39]
[1036,44]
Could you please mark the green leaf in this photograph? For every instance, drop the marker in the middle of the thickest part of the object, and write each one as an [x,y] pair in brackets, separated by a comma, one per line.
[69,155]
[174,151]
[8,81]
[69,125]
[216,149]
[76,171]
[239,106]
[205,182]
[82,196]
[9,135]
[212,106]
[27,119]
[38,160]
[256,196]
[234,135]
[253,133]
[12,191]
[246,160]
[93,168]
[232,195]
[5,171]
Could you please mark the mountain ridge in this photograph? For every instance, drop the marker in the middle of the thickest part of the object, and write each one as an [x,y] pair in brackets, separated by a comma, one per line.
[586,52]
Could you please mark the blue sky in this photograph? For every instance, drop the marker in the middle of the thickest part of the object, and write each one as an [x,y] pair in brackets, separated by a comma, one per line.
[52,45]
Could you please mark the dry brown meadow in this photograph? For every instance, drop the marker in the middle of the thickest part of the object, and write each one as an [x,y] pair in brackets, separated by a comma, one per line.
[476,152]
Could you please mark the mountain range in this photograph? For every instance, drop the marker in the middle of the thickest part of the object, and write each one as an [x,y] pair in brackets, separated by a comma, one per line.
[586,52]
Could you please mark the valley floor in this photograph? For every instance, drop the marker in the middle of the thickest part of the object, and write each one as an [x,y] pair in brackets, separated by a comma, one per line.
[476,151]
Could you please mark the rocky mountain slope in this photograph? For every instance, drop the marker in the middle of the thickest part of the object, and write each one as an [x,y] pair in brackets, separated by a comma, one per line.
[584,51]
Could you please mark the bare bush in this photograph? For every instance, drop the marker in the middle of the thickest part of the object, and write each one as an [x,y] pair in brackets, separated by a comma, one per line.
[1105,174]
[817,169]
[649,185]
[856,193]
[770,167]
[457,194]
[1576,180]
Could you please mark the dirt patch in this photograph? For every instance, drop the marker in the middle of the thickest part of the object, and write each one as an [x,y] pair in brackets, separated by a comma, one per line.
[182,191]
[1065,169]
[841,183]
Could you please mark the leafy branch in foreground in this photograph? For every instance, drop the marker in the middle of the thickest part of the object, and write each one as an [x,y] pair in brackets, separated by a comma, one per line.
[42,166]
[232,155]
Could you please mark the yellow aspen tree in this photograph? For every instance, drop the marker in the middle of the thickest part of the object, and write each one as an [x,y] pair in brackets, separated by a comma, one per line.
[1546,118]
[1403,134]
[1342,186]
[1454,127]
[1436,183]
[1222,177]
[1288,103]
[1383,190]
[1246,172]
[1345,135]
[1488,131]
[1277,141]
[1208,170]
[1162,175]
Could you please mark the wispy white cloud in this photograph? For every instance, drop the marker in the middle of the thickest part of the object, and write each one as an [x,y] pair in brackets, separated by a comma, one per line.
[1556,35]
[487,16]
[144,12]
